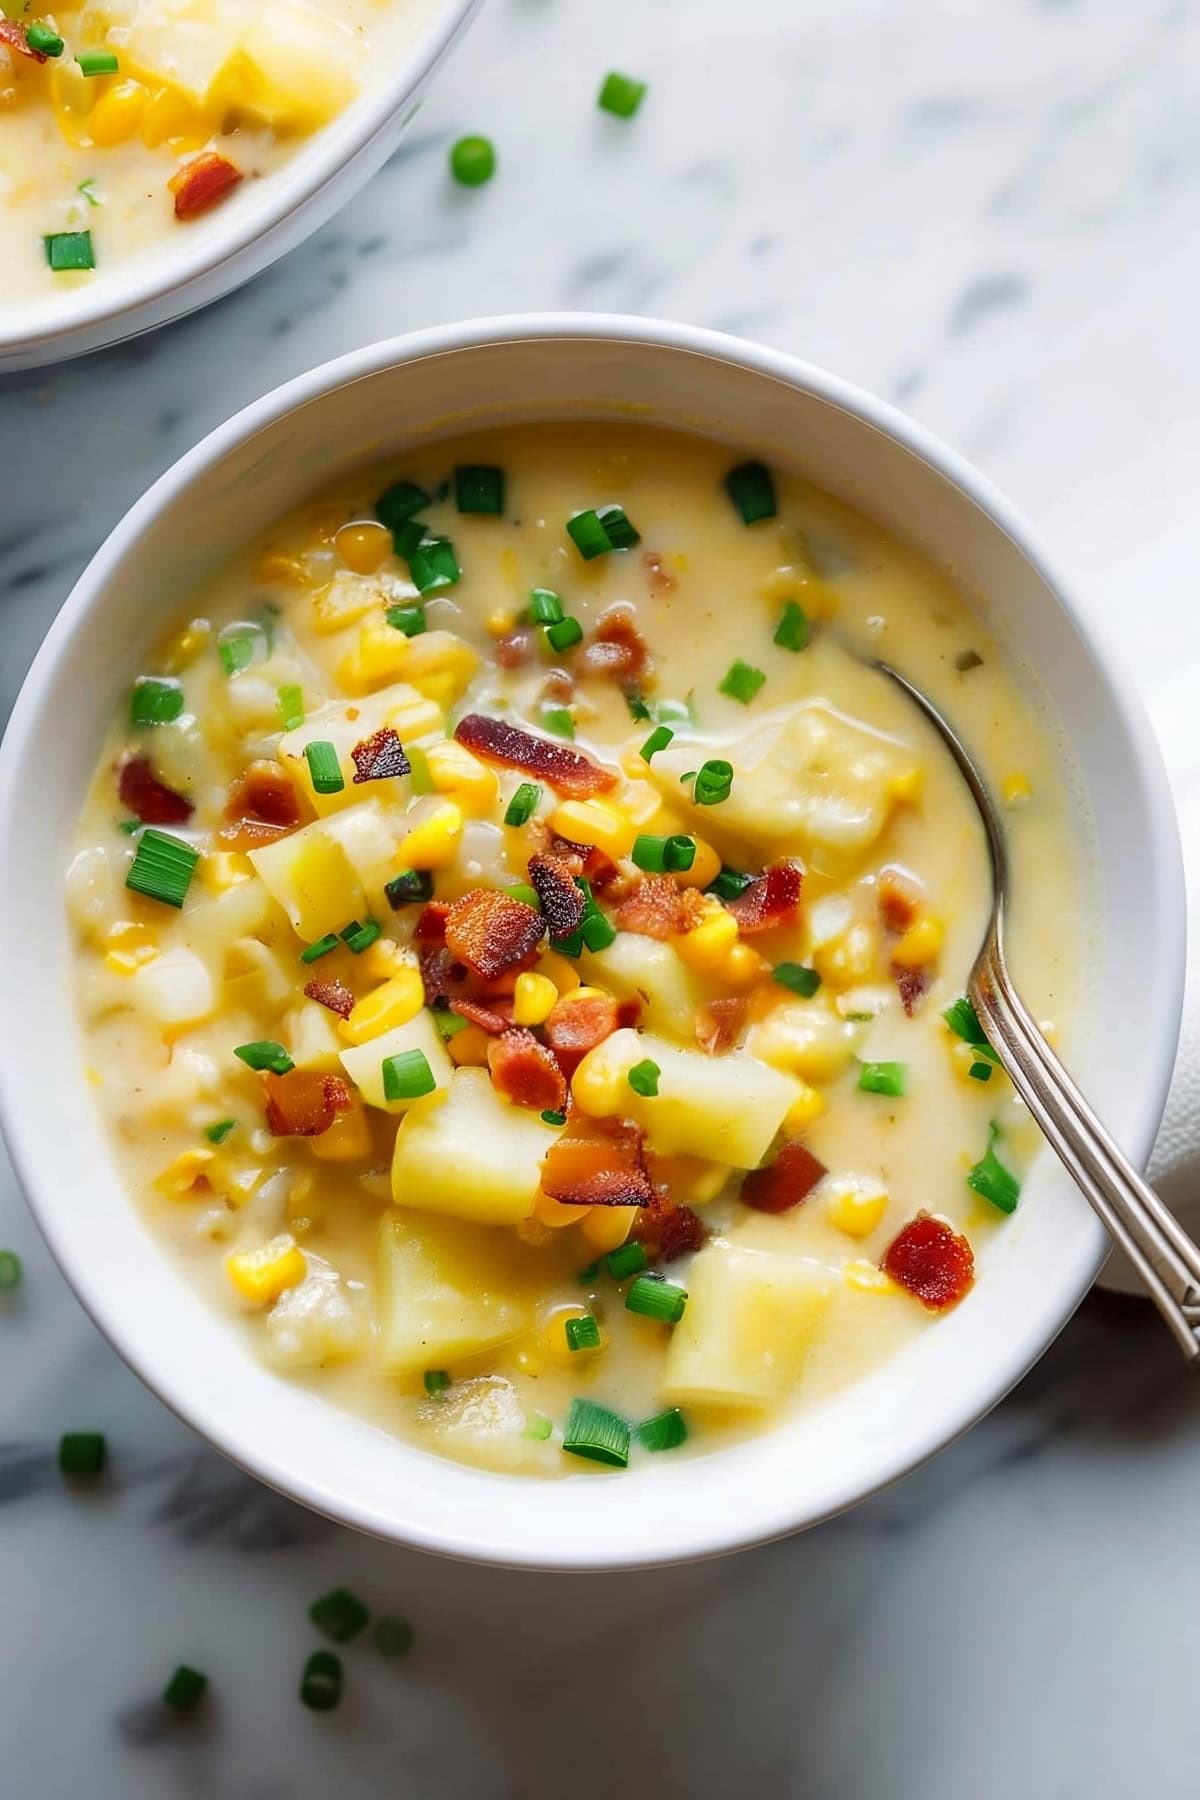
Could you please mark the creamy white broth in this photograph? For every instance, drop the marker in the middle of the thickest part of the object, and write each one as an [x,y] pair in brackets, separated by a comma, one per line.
[866,596]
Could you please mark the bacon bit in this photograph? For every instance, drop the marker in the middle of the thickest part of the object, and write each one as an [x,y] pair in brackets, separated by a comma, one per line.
[525,1073]
[303,1103]
[264,793]
[248,834]
[667,1229]
[380,757]
[567,770]
[202,183]
[659,909]
[491,932]
[659,580]
[898,899]
[12,34]
[718,1024]
[597,1162]
[558,685]
[147,797]
[933,1262]
[441,975]
[562,902]
[492,1019]
[577,1026]
[629,1013]
[583,859]
[785,1182]
[333,994]
[771,900]
[513,650]
[913,985]
[616,648]
[431,922]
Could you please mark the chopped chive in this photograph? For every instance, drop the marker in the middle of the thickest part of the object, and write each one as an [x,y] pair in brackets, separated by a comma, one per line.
[392,1635]
[82,1452]
[436,1381]
[162,868]
[324,769]
[98,62]
[340,1614]
[596,1434]
[40,37]
[359,936]
[403,500]
[655,854]
[888,1078]
[537,1427]
[714,782]
[448,1023]
[419,780]
[679,853]
[618,529]
[155,701]
[473,161]
[545,607]
[185,1689]
[408,619]
[966,660]
[658,740]
[67,250]
[407,536]
[629,1259]
[797,977]
[321,1682]
[523,804]
[598,932]
[552,1117]
[688,775]
[752,491]
[521,890]
[741,681]
[990,1178]
[130,827]
[571,945]
[584,1276]
[620,95]
[793,630]
[265,1054]
[557,719]
[638,710]
[666,1431]
[216,1134]
[291,706]
[479,488]
[582,1334]
[643,1078]
[85,188]
[407,1076]
[588,534]
[963,1021]
[433,565]
[980,1071]
[565,635]
[409,888]
[322,947]
[655,1298]
[679,710]
[10,1271]
[729,884]
[236,651]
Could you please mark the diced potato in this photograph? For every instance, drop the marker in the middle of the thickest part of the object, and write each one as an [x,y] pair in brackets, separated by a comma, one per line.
[294,68]
[346,601]
[364,1062]
[644,968]
[175,990]
[724,1108]
[752,1317]
[369,834]
[247,909]
[314,1323]
[310,1032]
[803,1039]
[256,977]
[483,1422]
[471,1155]
[184,43]
[446,1291]
[94,898]
[400,706]
[310,875]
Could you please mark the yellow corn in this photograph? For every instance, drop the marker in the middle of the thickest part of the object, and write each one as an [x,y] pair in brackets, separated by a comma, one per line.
[380,657]
[706,866]
[384,959]
[439,665]
[395,1003]
[235,1182]
[500,622]
[856,1208]
[534,999]
[280,569]
[453,770]
[169,117]
[348,1138]
[434,842]
[706,946]
[560,970]
[187,646]
[554,1214]
[607,1227]
[118,112]
[223,869]
[847,958]
[595,822]
[808,1105]
[743,966]
[1016,789]
[182,1176]
[692,1179]
[127,945]
[868,1278]
[469,1048]
[920,945]
[906,788]
[552,1337]
[363,546]
[262,1275]
[598,1088]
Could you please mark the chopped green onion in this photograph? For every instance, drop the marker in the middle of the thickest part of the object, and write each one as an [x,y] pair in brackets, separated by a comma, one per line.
[558,719]
[582,1334]
[714,782]
[584,1276]
[399,502]
[473,161]
[679,710]
[888,1078]
[655,1298]
[643,1078]
[130,827]
[340,1614]
[552,1117]
[479,488]
[324,769]
[359,936]
[321,1682]
[674,854]
[448,1023]
[265,1054]
[322,947]
[621,95]
[798,978]
[265,618]
[793,630]
[658,740]
[963,1021]
[67,250]
[82,1452]
[597,1434]
[408,619]
[752,491]
[521,890]
[433,565]
[408,536]
[741,681]
[40,37]
[98,62]
[545,607]
[216,1134]
[620,532]
[571,945]
[162,868]
[638,710]
[595,533]
[980,1071]
[629,1259]
[990,1178]
[537,1427]
[436,1381]
[598,932]
[291,706]
[407,1076]
[409,888]
[523,804]
[392,1635]
[666,1431]
[236,651]
[679,853]
[185,1689]
[10,1271]
[729,884]
[565,635]
[155,702]
[85,188]
[419,780]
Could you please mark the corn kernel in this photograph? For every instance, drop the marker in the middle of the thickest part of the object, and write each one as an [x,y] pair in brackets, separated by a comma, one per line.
[692,1179]
[348,1138]
[597,823]
[280,569]
[186,647]
[607,1227]
[849,957]
[920,945]
[127,946]
[868,1278]
[907,787]
[183,1175]
[552,1338]
[743,966]
[808,1105]
[434,842]
[223,869]
[236,1182]
[856,1206]
[500,622]
[363,546]
[597,1087]
[381,655]
[118,112]
[534,999]
[440,664]
[1016,789]
[706,946]
[394,1003]
[170,118]
[453,770]
[262,1275]
[706,866]
[469,1048]
[384,959]
[554,1214]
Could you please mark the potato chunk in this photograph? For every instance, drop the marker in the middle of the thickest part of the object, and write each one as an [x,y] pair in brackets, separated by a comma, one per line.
[469,1155]
[752,1317]
[293,67]
[333,870]
[364,1063]
[636,967]
[446,1290]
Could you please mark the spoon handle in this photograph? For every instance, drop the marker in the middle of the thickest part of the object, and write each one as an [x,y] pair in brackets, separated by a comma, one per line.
[1150,1235]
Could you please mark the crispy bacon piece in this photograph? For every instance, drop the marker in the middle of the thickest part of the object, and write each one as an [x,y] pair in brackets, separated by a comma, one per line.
[658,908]
[898,897]
[380,757]
[513,650]
[493,1019]
[431,922]
[667,1229]
[587,860]
[933,1262]
[333,994]
[567,770]
[913,985]
[202,182]
[785,1182]
[12,37]
[264,793]
[562,902]
[772,899]
[718,1024]
[597,1162]
[577,1026]
[149,799]
[616,648]
[303,1103]
[443,976]
[525,1073]
[491,932]
[658,579]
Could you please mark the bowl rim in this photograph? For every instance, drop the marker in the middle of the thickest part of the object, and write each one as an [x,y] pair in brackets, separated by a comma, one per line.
[35,331]
[1036,1329]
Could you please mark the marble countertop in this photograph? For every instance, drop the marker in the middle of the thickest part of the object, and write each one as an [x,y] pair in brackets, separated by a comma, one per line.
[985,212]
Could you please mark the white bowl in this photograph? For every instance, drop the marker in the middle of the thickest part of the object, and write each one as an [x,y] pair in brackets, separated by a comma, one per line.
[262,221]
[234,484]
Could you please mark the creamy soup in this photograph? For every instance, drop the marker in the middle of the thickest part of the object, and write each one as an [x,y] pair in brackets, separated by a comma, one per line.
[522,945]
[122,122]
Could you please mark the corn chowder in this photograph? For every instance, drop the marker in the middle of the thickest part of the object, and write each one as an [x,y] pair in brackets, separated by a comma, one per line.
[521,945]
[123,121]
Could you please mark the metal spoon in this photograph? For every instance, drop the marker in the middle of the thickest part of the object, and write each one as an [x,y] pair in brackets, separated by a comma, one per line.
[1152,1238]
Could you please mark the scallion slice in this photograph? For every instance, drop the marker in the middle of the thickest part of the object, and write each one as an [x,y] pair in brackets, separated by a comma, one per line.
[565,635]
[714,782]
[410,620]
[658,740]
[538,1427]
[793,630]
[403,500]
[217,1133]
[407,536]
[990,1178]
[643,1078]
[552,1117]
[435,1381]
[638,710]
[479,488]
[752,491]
[655,1298]
[185,1689]
[523,804]
[82,1452]
[433,565]
[321,1682]
[628,1259]
[392,1635]
[674,855]
[679,710]
[67,250]
[291,706]
[980,1071]
[39,37]
[584,1276]
[359,935]
[264,1054]
[595,533]
[10,1271]
[598,932]
[324,769]
[889,1078]
[448,1024]
[236,651]
[582,1334]
[963,1021]
[596,1434]
[741,681]
[665,1431]
[473,161]
[798,978]
[729,884]
[621,533]
[620,95]
[98,62]
[314,952]
[559,721]
[409,888]
[407,1076]
[545,607]
[162,867]
[155,701]
[521,890]
[340,1614]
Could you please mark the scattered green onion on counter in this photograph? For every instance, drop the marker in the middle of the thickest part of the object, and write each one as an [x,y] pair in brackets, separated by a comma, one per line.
[473,161]
[321,1682]
[82,1452]
[185,1689]
[620,95]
